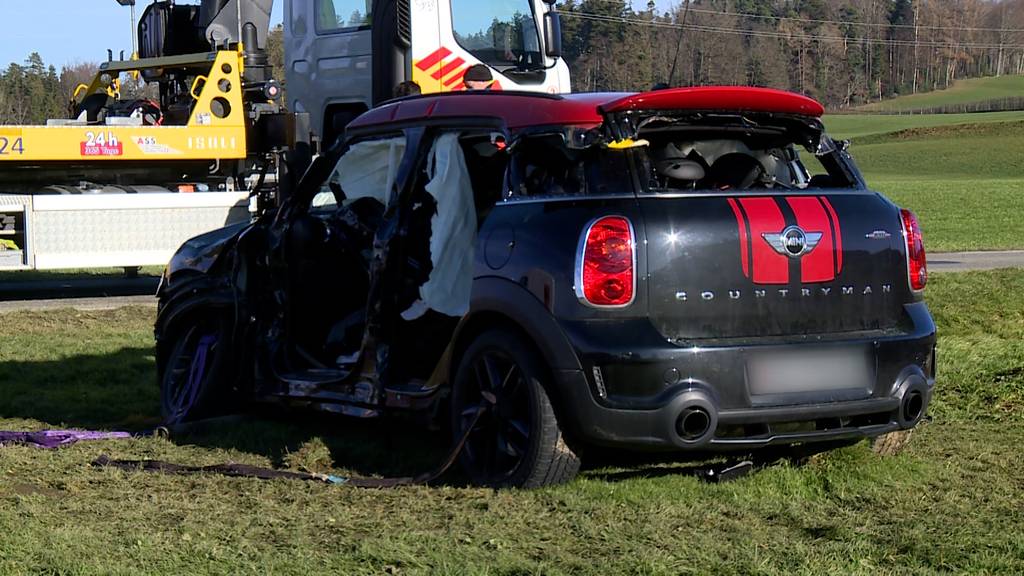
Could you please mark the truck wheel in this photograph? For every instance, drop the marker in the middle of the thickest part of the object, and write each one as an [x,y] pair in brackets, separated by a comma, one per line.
[193,378]
[517,441]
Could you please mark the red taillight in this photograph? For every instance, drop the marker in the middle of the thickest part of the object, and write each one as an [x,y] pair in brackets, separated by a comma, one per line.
[917,265]
[605,272]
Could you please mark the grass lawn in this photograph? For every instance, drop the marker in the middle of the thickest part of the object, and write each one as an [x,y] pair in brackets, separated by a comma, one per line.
[961,92]
[950,503]
[958,215]
[854,126]
[963,174]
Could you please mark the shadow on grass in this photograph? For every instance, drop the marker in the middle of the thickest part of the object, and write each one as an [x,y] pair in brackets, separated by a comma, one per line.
[119,391]
[114,390]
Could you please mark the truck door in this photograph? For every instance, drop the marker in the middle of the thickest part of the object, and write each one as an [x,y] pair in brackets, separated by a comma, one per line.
[503,34]
[328,60]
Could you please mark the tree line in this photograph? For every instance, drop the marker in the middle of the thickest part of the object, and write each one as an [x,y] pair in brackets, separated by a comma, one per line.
[841,52]
[32,92]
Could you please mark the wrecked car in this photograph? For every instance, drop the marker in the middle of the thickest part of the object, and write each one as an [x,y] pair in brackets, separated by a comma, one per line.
[686,271]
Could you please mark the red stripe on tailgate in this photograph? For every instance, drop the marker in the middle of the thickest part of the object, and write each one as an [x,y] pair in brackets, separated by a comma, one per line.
[435,57]
[839,234]
[744,242]
[770,267]
[819,264]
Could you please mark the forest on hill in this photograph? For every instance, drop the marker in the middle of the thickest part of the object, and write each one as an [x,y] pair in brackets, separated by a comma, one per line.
[842,52]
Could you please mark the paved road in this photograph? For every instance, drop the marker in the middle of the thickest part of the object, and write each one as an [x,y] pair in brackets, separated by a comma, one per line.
[79,293]
[961,261]
[103,303]
[107,294]
[78,288]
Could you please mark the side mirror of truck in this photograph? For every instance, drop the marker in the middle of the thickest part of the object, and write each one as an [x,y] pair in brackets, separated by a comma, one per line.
[553,35]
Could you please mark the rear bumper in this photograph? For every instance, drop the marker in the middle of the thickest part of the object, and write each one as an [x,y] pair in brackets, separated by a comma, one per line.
[654,396]
[743,428]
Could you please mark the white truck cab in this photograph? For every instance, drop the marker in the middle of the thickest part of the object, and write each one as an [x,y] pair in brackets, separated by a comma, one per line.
[345,56]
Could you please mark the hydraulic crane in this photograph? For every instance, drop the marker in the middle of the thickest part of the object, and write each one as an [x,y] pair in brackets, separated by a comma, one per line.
[173,140]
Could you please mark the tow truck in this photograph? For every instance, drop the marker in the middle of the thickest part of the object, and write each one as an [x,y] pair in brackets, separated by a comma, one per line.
[191,132]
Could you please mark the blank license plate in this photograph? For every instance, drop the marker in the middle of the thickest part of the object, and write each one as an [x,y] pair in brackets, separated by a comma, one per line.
[817,370]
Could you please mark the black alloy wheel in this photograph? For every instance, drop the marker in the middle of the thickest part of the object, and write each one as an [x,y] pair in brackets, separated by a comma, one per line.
[517,441]
[192,385]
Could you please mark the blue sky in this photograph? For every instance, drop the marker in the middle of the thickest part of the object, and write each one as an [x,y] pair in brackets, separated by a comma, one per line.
[69,31]
[72,31]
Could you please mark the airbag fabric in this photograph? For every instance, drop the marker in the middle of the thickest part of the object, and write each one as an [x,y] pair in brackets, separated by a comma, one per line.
[453,233]
[369,169]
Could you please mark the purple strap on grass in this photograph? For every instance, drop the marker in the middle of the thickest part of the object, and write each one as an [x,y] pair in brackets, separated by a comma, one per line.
[57,438]
[198,369]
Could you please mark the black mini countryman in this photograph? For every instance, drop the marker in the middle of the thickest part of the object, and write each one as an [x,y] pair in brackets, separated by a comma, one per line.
[687,270]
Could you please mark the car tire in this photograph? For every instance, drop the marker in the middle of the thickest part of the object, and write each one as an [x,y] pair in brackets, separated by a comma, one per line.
[194,371]
[517,441]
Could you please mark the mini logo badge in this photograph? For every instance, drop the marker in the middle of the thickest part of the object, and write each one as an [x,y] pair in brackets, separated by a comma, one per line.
[767,256]
[793,241]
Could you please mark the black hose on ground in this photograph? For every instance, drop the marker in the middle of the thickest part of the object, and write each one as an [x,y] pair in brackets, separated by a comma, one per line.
[245,471]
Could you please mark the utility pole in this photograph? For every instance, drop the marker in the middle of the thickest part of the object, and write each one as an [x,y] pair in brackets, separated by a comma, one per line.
[917,32]
[679,45]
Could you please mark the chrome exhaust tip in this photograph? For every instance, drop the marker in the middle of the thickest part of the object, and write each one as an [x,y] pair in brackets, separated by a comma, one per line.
[912,390]
[693,423]
[695,419]
[913,406]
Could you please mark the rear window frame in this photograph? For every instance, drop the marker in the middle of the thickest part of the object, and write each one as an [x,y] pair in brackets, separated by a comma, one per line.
[586,137]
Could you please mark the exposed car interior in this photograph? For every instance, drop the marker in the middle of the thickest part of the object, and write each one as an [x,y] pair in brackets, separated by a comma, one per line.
[349,290]
[548,165]
[694,156]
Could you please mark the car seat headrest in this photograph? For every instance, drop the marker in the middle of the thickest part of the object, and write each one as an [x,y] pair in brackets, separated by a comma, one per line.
[736,170]
[680,169]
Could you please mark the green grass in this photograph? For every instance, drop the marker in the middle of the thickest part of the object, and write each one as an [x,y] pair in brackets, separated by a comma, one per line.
[963,173]
[959,215]
[969,152]
[961,92]
[853,126]
[949,503]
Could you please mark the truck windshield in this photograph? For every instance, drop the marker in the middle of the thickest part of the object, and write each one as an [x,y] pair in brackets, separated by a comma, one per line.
[498,32]
[332,15]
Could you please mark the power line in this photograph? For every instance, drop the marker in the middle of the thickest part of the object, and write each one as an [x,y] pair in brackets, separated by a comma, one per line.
[783,35]
[841,22]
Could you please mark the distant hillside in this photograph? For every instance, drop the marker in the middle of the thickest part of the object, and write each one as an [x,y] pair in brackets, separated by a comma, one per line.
[974,90]
[928,146]
[857,126]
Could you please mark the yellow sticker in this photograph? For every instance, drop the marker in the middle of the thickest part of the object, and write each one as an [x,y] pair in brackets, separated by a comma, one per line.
[627,144]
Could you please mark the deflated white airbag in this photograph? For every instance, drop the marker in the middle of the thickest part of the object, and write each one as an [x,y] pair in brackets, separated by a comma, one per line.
[453,233]
[368,169]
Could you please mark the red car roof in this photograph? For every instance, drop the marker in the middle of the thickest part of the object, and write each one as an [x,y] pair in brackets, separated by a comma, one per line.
[521,110]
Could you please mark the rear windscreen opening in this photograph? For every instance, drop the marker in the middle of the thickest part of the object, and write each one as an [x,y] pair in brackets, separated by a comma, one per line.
[745,155]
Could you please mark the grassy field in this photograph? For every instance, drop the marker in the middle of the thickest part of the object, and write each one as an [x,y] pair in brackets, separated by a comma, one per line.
[950,503]
[854,126]
[962,173]
[961,92]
